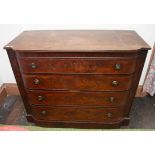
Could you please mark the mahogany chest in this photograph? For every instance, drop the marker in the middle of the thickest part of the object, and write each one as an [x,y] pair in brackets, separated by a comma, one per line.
[78,78]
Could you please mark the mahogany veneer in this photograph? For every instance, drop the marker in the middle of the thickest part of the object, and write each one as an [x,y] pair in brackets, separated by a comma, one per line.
[80,78]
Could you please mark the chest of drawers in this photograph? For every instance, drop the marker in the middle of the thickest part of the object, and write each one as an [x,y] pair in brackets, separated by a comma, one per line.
[79,79]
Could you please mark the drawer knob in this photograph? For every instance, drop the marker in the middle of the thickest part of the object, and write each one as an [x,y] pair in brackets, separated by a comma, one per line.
[33,66]
[40,98]
[115,83]
[36,81]
[117,66]
[111,99]
[43,112]
[109,115]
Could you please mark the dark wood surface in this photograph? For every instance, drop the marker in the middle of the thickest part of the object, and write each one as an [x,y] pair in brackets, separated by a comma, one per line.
[73,54]
[78,40]
[78,74]
[139,67]
[142,114]
[77,114]
[78,82]
[78,65]
[19,79]
[75,98]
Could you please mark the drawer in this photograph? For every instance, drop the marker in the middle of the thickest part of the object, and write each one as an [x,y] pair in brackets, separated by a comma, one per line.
[77,114]
[78,65]
[78,82]
[63,98]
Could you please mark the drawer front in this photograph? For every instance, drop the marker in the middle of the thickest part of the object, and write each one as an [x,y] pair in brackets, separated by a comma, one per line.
[78,65]
[62,98]
[78,82]
[77,114]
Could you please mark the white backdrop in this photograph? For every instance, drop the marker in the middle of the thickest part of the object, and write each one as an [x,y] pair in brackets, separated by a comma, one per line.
[9,31]
[81,12]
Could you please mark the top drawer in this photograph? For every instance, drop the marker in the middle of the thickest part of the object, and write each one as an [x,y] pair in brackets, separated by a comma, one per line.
[78,65]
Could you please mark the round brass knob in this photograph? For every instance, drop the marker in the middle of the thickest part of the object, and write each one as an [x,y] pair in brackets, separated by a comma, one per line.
[109,115]
[36,81]
[40,98]
[33,66]
[115,83]
[111,99]
[43,112]
[117,66]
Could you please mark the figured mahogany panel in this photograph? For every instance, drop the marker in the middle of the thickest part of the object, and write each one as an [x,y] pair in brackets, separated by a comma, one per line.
[78,82]
[78,65]
[67,98]
[77,114]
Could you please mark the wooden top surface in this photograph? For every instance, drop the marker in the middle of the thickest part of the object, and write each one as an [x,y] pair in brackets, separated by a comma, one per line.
[78,40]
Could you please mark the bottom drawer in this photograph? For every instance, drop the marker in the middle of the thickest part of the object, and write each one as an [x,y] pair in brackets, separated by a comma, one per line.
[77,114]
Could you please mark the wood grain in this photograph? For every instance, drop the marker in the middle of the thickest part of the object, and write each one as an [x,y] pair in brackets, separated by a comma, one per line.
[78,82]
[76,98]
[78,65]
[75,72]
[77,114]
[78,40]
[18,76]
[15,91]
